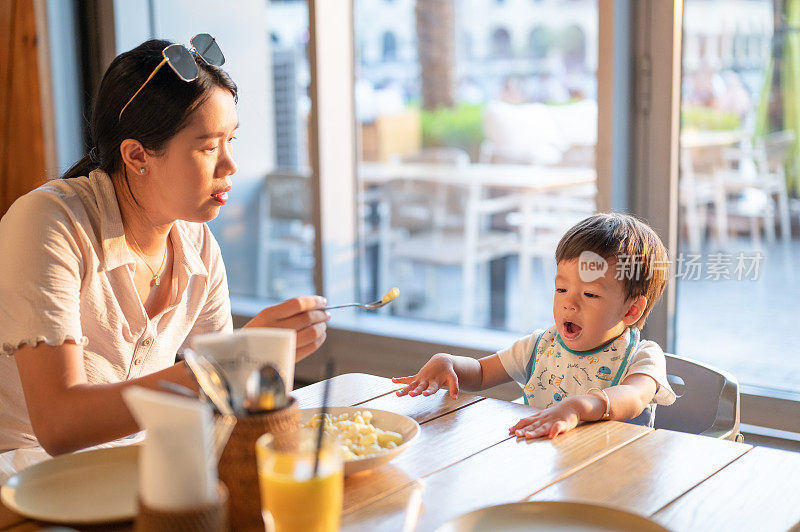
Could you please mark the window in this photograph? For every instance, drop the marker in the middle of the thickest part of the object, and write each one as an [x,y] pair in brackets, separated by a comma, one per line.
[456,153]
[467,44]
[738,296]
[389,47]
[573,45]
[501,43]
[738,48]
[539,43]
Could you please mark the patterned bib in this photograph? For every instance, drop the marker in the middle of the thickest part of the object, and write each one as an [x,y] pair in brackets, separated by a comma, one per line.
[556,372]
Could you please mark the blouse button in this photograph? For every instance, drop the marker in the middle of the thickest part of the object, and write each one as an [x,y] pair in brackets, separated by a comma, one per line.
[146,342]
[137,361]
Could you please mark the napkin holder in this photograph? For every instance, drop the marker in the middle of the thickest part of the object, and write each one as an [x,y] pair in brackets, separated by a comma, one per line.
[238,468]
[211,517]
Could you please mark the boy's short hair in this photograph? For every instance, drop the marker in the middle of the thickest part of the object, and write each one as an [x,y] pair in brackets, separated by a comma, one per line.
[641,259]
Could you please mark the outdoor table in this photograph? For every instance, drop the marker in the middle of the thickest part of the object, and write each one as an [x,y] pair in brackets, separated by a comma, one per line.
[490,189]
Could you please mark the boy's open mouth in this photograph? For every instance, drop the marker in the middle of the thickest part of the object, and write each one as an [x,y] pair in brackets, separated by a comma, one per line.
[572,330]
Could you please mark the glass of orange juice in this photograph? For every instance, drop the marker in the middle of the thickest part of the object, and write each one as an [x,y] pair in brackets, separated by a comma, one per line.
[292,498]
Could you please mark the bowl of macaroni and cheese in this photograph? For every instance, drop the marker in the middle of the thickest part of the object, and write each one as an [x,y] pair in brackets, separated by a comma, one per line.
[368,438]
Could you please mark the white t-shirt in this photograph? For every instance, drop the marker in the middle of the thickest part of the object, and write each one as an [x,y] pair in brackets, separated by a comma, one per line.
[67,273]
[557,372]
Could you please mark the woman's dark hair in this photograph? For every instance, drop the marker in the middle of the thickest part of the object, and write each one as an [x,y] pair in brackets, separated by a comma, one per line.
[157,113]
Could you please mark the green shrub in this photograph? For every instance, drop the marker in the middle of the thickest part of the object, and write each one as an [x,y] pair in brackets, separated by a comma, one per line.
[460,127]
[709,119]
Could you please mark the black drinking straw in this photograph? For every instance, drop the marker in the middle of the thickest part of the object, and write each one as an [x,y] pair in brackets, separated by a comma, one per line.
[321,428]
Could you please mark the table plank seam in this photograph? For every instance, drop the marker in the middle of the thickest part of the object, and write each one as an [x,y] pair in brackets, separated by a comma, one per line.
[592,460]
[454,410]
[376,397]
[699,483]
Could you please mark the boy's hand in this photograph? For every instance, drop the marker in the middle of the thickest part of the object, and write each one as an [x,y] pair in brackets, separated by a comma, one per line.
[437,373]
[549,422]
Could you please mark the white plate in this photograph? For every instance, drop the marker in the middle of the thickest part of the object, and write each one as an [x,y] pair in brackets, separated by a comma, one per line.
[381,419]
[91,487]
[550,515]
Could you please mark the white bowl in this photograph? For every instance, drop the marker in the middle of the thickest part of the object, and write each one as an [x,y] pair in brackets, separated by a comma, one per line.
[381,419]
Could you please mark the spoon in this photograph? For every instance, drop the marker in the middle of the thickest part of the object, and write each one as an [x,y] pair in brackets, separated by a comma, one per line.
[211,380]
[265,389]
[385,300]
[177,389]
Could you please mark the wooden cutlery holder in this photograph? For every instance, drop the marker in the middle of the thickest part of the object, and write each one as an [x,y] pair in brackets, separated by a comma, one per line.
[208,518]
[238,468]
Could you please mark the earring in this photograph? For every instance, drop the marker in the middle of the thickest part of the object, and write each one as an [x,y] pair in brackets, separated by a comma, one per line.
[142,171]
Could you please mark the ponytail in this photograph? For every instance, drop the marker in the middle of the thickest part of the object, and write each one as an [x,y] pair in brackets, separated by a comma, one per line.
[82,167]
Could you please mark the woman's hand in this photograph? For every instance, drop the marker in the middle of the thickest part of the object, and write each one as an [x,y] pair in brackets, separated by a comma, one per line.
[439,372]
[302,314]
[549,422]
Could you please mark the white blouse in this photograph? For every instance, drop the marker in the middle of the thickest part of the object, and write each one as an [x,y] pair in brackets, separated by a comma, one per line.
[66,273]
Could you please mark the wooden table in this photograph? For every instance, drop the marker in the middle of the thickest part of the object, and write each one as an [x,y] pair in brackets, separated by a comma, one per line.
[467,461]
[682,481]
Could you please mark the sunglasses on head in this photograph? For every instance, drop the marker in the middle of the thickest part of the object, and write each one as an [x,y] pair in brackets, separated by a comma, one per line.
[181,60]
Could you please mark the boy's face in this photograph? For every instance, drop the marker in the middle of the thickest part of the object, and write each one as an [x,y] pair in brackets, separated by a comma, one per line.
[590,314]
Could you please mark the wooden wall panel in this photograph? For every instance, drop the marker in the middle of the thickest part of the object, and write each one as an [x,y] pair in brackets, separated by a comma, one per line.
[22,137]
[6,19]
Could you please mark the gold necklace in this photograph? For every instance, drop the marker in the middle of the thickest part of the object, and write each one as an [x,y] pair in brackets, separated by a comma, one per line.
[156,277]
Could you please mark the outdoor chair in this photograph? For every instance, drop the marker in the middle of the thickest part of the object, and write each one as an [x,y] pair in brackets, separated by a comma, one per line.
[762,194]
[701,187]
[285,231]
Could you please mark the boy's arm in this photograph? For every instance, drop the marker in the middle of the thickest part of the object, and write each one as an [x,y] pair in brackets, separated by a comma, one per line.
[626,401]
[632,396]
[454,372]
[476,375]
[493,372]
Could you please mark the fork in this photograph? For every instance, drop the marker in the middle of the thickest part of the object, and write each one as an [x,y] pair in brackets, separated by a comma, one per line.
[223,427]
[385,300]
[368,306]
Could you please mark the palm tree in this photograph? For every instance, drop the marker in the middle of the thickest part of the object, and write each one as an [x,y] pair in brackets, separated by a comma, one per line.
[775,110]
[436,50]
[778,109]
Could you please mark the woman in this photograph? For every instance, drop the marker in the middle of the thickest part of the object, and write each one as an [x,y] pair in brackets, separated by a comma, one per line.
[108,272]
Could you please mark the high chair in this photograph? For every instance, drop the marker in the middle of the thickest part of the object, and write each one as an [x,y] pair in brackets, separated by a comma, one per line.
[707,403]
[707,400]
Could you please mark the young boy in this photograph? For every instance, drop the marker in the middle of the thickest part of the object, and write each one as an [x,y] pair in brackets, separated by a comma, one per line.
[592,364]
